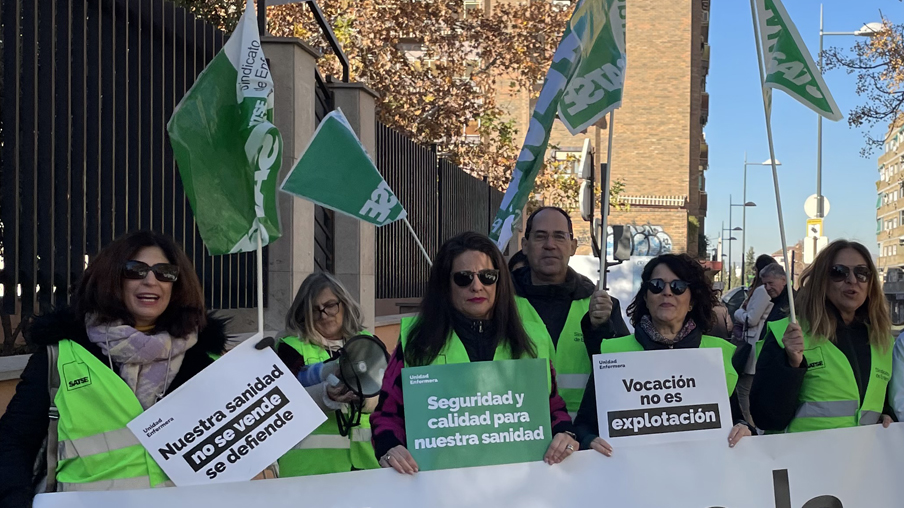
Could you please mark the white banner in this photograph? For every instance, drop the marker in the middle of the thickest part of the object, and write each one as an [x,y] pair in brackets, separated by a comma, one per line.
[858,467]
[654,397]
[230,421]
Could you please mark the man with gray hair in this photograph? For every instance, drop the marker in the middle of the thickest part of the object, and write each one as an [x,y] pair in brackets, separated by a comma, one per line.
[773,277]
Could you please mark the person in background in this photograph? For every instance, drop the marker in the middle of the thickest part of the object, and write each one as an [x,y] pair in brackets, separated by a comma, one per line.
[322,318]
[138,331]
[833,369]
[776,284]
[671,310]
[721,320]
[752,314]
[518,260]
[896,387]
[565,303]
[468,314]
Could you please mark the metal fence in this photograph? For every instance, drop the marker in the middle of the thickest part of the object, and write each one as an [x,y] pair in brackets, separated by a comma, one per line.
[441,200]
[87,88]
[324,246]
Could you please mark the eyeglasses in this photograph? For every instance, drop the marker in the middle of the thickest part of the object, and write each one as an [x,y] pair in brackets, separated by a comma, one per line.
[543,236]
[657,286]
[328,309]
[486,277]
[137,270]
[839,273]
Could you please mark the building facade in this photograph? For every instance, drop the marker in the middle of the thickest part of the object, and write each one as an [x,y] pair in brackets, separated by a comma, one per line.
[659,150]
[890,220]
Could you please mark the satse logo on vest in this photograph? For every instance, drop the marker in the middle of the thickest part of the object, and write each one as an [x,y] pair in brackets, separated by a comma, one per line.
[76,375]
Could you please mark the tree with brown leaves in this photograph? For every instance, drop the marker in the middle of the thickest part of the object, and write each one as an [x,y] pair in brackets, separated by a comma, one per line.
[878,63]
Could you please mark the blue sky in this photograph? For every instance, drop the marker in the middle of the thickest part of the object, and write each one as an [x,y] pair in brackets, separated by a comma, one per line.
[736,124]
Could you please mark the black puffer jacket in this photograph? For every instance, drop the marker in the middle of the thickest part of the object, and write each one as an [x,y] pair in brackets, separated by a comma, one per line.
[553,303]
[24,425]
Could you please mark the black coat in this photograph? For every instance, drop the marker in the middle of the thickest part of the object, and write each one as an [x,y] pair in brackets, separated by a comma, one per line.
[24,425]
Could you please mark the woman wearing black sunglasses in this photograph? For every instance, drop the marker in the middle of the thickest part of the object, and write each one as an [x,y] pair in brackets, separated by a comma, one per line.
[832,370]
[672,310]
[138,330]
[468,314]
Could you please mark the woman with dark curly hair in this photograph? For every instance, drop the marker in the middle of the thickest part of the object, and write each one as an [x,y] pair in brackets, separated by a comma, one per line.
[138,331]
[671,311]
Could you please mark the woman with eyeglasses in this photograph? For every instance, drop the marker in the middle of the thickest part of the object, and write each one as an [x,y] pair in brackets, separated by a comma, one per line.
[322,318]
[672,310]
[833,368]
[468,314]
[138,330]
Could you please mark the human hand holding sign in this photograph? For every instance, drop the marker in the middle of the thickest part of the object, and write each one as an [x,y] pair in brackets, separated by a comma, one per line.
[599,444]
[793,339]
[399,458]
[561,447]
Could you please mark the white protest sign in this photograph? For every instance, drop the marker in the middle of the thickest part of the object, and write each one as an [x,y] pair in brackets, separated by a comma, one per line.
[653,397]
[230,421]
[844,468]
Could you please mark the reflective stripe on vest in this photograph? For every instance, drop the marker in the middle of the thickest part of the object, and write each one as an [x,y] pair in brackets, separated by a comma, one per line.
[829,396]
[98,443]
[571,361]
[325,450]
[572,381]
[629,343]
[315,441]
[361,434]
[96,450]
[454,351]
[139,482]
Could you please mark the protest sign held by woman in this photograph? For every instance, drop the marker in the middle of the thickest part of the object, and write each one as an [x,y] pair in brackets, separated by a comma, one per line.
[468,308]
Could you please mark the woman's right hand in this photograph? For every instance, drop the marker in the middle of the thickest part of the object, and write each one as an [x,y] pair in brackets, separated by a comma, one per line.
[793,339]
[340,393]
[399,459]
[599,444]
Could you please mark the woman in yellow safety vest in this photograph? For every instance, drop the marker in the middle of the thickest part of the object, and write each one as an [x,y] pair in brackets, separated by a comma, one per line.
[831,370]
[468,314]
[672,310]
[322,318]
[138,330]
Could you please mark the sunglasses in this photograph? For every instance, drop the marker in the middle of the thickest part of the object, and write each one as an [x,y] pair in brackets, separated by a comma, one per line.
[839,273]
[465,278]
[657,286]
[164,272]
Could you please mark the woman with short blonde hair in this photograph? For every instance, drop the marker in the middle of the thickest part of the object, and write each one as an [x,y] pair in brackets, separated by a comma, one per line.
[832,369]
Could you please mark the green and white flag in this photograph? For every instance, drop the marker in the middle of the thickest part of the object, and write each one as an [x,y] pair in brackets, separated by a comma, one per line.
[788,65]
[336,172]
[227,148]
[584,83]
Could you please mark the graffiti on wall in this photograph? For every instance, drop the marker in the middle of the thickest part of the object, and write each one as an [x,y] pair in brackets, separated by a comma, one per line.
[645,240]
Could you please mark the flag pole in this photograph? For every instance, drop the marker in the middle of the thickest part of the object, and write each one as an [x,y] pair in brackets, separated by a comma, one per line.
[418,242]
[778,196]
[260,285]
[604,208]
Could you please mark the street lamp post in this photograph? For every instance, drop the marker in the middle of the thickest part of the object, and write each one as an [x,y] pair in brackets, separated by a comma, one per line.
[730,239]
[768,162]
[867,30]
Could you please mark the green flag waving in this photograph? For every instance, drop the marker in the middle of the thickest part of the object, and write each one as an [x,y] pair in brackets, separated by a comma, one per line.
[336,172]
[227,148]
[788,65]
[584,83]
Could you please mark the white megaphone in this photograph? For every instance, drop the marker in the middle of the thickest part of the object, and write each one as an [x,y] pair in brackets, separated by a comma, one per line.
[360,367]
